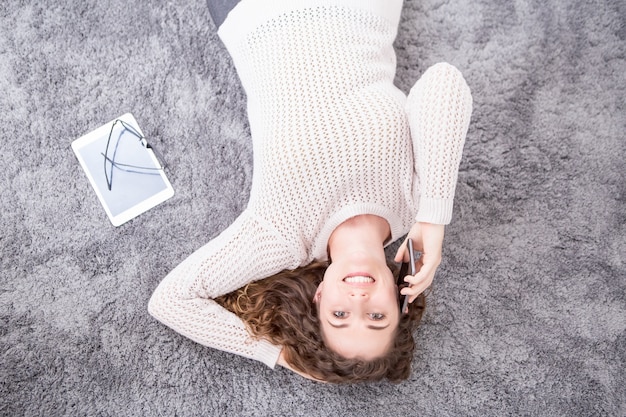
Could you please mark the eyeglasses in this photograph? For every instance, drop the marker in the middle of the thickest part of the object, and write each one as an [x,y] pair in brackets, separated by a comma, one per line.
[110,154]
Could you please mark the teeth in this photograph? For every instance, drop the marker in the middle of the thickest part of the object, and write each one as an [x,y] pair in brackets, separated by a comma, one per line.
[359,280]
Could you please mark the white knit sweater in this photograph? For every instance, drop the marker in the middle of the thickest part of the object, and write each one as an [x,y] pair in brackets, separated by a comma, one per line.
[332,138]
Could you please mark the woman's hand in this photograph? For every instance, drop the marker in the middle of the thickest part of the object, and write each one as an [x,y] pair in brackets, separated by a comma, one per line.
[427,239]
[282,362]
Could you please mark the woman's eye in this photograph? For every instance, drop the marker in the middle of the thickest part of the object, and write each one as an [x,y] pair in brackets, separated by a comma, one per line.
[377,316]
[339,314]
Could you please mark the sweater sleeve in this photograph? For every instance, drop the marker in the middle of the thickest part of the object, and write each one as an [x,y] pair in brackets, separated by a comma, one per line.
[247,251]
[439,107]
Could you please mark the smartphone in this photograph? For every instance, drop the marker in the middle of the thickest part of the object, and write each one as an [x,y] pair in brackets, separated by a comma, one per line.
[404,271]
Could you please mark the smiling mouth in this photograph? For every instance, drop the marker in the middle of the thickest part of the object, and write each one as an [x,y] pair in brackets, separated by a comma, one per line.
[359,279]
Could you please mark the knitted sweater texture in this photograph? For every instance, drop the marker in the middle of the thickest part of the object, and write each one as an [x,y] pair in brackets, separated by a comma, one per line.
[332,138]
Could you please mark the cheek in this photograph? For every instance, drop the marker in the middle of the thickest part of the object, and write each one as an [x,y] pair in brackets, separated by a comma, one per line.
[329,301]
[326,299]
[390,294]
[331,272]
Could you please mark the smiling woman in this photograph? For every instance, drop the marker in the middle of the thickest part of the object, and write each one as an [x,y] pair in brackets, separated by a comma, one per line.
[279,309]
[344,164]
[358,298]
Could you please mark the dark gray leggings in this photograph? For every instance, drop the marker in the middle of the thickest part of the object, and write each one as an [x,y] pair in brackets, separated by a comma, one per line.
[219,9]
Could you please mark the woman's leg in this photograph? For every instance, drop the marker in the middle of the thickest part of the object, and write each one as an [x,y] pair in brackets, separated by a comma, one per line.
[219,10]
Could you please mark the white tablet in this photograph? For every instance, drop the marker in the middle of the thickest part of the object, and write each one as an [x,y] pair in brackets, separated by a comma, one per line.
[122,169]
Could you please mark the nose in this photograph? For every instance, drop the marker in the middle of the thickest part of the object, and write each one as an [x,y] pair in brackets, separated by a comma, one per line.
[359,295]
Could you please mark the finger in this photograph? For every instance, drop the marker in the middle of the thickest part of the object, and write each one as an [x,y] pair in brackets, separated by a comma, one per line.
[421,291]
[418,279]
[401,255]
[425,270]
[415,290]
[420,282]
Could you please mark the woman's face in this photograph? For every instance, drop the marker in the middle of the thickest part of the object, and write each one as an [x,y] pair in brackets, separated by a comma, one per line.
[358,307]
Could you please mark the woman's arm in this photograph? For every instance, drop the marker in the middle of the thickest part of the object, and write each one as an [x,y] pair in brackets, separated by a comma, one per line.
[439,108]
[244,252]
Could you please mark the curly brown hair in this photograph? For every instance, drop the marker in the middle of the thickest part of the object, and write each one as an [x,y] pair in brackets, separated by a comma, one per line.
[281,310]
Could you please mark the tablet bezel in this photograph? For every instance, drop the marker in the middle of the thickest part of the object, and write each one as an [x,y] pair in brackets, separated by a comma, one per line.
[142,206]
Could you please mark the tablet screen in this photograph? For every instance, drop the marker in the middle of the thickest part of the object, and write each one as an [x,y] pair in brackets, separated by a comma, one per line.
[135,176]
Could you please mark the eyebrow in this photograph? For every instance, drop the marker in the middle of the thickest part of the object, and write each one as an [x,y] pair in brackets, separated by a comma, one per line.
[369,326]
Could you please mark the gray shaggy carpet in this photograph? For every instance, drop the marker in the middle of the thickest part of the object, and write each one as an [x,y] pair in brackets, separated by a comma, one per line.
[528,314]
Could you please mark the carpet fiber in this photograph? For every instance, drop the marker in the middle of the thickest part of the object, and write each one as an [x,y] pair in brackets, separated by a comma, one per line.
[528,313]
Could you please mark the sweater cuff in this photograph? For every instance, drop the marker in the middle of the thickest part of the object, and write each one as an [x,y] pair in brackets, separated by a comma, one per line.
[268,353]
[435,210]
